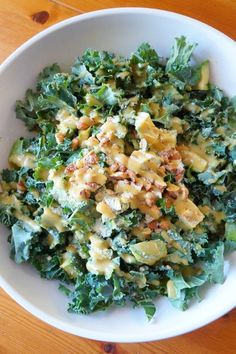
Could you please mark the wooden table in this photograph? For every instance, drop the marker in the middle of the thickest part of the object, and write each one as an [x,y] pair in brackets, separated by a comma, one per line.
[20,332]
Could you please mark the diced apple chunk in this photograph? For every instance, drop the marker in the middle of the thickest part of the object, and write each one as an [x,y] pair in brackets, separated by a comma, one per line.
[105,210]
[188,213]
[141,160]
[149,252]
[158,139]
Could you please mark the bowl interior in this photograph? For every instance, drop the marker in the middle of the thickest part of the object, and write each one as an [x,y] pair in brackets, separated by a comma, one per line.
[120,31]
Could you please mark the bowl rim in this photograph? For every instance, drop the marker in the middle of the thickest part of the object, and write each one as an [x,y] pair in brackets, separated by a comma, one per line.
[108,11]
[9,289]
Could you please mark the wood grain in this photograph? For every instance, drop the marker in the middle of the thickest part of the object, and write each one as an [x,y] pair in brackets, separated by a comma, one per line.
[20,332]
[17,24]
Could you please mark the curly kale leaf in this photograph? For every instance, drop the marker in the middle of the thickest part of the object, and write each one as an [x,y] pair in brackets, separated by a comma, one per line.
[184,290]
[49,266]
[145,54]
[6,216]
[229,205]
[177,66]
[180,55]
[53,92]
[214,264]
[94,60]
[106,95]
[49,72]
[129,219]
[92,293]
[95,293]
[80,71]
[9,175]
[187,289]
[26,110]
[22,240]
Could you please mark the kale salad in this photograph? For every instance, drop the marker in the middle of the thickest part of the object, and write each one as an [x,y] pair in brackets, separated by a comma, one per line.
[126,191]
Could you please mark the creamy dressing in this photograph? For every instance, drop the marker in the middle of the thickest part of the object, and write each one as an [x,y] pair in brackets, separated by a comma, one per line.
[51,219]
[101,257]
[11,200]
[67,121]
[27,220]
[201,148]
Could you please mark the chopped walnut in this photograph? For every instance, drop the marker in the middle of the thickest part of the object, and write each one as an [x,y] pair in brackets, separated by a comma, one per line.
[93,186]
[71,168]
[84,123]
[114,167]
[91,159]
[85,193]
[60,137]
[21,187]
[75,143]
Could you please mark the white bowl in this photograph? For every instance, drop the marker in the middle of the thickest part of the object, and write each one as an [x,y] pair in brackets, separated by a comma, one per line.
[119,30]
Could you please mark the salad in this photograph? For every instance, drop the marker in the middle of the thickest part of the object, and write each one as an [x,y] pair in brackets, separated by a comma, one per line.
[126,190]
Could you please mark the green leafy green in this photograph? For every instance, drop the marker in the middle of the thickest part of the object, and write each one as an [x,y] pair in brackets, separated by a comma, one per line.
[9,175]
[93,59]
[106,95]
[6,216]
[230,231]
[180,55]
[21,241]
[49,266]
[149,308]
[164,209]
[80,71]
[26,111]
[214,267]
[145,54]
[186,290]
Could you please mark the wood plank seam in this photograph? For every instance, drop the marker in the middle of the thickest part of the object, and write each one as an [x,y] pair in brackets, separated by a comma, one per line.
[61,3]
